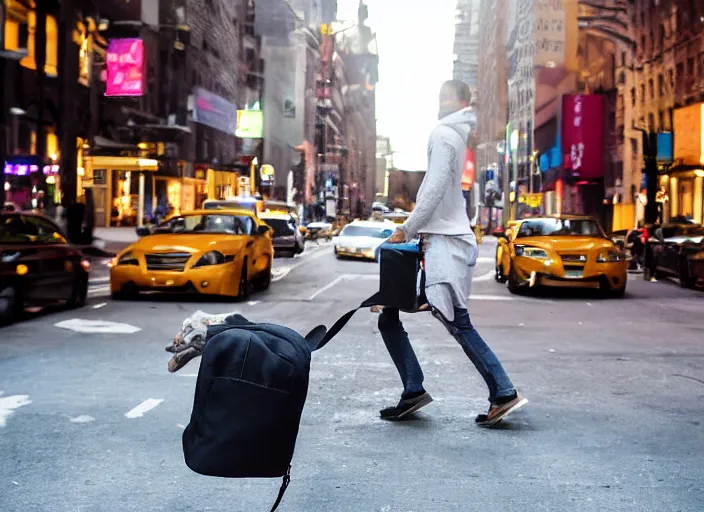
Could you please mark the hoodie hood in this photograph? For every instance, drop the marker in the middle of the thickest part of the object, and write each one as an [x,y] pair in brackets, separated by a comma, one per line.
[463,121]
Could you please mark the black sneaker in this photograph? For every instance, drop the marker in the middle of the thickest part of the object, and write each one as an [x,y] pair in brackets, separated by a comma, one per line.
[499,411]
[406,406]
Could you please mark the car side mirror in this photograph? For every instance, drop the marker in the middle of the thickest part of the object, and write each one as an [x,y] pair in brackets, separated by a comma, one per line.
[143,231]
[263,230]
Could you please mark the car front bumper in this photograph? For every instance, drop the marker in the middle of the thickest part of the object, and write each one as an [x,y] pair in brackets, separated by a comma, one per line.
[351,252]
[533,272]
[212,280]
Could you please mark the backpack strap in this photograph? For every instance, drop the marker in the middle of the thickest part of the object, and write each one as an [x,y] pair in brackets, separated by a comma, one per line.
[319,336]
[282,489]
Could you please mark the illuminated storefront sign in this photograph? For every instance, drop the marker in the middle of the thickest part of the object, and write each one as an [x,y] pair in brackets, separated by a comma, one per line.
[125,68]
[214,111]
[250,124]
[583,134]
[26,169]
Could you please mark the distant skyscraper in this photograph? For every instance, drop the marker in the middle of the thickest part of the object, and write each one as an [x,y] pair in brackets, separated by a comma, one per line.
[466,46]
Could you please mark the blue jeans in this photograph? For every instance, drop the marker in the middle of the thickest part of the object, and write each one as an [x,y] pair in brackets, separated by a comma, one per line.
[461,328]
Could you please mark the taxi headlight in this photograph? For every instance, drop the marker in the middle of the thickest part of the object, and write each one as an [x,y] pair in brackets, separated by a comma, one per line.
[128,259]
[611,256]
[210,258]
[531,252]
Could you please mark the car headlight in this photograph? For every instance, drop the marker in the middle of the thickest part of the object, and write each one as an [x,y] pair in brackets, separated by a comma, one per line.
[128,259]
[531,252]
[210,258]
[610,256]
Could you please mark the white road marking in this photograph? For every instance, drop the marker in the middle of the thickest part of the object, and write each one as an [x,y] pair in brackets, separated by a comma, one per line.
[279,273]
[484,277]
[94,291]
[485,259]
[344,277]
[83,418]
[104,279]
[101,305]
[325,288]
[97,326]
[144,408]
[8,404]
[187,374]
[180,426]
[253,302]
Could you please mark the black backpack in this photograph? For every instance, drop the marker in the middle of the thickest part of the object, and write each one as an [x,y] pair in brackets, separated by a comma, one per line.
[253,382]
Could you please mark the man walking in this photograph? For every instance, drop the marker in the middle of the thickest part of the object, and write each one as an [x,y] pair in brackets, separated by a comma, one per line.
[440,218]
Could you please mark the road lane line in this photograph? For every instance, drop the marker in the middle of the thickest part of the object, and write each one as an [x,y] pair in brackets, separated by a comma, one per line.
[282,272]
[8,404]
[99,279]
[98,290]
[83,418]
[484,277]
[143,408]
[325,288]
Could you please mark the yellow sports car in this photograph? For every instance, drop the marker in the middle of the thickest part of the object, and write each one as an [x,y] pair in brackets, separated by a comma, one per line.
[562,251]
[214,252]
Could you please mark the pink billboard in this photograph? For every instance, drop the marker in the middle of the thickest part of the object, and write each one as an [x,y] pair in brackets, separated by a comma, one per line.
[125,63]
[583,135]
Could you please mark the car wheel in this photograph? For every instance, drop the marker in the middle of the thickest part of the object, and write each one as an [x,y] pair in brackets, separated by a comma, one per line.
[266,278]
[685,280]
[79,293]
[243,289]
[512,282]
[617,293]
[10,306]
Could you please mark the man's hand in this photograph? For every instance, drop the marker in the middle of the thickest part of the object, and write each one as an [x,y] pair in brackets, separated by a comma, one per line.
[398,237]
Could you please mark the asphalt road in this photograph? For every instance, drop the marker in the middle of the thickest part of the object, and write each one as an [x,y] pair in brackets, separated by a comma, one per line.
[92,422]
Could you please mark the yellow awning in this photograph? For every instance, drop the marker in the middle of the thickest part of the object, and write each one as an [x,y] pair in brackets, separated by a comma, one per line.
[124,163]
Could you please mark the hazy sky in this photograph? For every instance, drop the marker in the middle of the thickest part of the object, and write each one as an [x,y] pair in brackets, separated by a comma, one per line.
[415,57]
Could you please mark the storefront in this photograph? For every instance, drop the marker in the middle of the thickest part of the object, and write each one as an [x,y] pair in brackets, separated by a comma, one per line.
[221,184]
[120,186]
[684,181]
[178,195]
[30,183]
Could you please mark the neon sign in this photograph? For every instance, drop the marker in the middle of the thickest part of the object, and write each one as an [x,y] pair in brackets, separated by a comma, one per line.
[125,68]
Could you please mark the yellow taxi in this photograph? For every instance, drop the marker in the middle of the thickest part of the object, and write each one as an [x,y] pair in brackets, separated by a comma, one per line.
[566,251]
[213,252]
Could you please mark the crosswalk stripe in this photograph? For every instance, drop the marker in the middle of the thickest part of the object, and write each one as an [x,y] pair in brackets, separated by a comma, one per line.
[143,408]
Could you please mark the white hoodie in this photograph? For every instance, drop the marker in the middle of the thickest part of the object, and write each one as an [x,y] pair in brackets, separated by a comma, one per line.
[440,206]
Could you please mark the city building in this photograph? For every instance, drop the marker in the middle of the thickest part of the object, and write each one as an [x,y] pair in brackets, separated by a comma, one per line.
[467,42]
[667,91]
[155,104]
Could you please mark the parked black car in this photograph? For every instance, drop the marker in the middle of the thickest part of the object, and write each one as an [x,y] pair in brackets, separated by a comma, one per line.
[676,250]
[37,265]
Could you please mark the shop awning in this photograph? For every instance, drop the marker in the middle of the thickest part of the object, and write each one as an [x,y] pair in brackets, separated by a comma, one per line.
[124,163]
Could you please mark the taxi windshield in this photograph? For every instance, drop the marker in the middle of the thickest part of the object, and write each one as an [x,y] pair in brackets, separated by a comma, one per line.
[208,223]
[560,227]
[368,231]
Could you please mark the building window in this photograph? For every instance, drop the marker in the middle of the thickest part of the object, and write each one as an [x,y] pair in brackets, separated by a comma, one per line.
[633,96]
[661,85]
[642,93]
[651,89]
[651,122]
[661,120]
[20,30]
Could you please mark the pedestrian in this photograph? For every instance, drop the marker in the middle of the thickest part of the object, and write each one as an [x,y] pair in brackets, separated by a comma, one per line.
[450,254]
